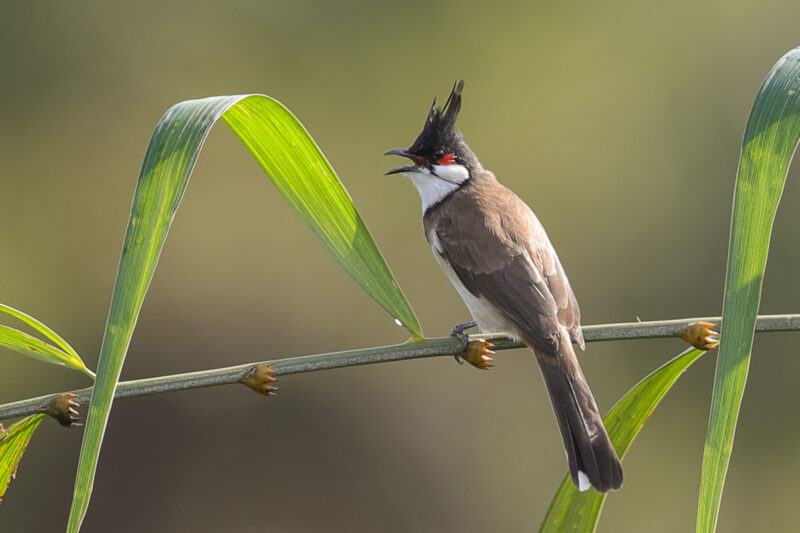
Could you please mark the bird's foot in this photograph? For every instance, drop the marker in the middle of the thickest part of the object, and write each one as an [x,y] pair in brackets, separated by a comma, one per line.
[458,330]
[478,353]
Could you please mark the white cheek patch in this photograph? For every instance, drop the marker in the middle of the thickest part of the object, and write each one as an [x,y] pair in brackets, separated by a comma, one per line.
[451,173]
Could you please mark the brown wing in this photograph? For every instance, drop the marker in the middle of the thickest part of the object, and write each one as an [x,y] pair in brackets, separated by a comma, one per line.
[512,265]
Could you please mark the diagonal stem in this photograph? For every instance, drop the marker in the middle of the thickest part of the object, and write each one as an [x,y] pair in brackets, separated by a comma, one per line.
[443,346]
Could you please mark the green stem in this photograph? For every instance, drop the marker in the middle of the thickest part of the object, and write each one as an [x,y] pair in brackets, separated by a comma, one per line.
[437,347]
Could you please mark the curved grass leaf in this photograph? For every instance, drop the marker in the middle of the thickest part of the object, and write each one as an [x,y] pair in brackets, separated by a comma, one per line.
[571,510]
[770,140]
[301,173]
[61,354]
[31,346]
[12,445]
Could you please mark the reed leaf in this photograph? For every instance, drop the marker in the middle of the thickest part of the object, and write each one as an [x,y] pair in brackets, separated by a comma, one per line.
[770,140]
[294,163]
[13,443]
[61,354]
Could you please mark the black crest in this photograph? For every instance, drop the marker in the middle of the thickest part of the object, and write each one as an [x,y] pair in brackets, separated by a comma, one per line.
[439,134]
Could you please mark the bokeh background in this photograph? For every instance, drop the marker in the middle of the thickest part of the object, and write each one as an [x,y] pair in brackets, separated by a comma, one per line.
[619,122]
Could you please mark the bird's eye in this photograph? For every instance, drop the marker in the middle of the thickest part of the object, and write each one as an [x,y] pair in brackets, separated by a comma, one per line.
[446,159]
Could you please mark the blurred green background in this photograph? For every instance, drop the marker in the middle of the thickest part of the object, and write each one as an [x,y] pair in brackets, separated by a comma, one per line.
[619,123]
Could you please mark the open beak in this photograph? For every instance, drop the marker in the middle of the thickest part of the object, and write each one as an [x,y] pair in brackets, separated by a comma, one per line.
[418,161]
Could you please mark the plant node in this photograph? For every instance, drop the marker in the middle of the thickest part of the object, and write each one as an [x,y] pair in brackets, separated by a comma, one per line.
[65,410]
[260,378]
[479,354]
[701,335]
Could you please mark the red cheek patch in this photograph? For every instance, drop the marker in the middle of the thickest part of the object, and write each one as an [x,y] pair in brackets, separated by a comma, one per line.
[447,159]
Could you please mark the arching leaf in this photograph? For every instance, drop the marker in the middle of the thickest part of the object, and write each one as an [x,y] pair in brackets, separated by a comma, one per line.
[61,354]
[301,173]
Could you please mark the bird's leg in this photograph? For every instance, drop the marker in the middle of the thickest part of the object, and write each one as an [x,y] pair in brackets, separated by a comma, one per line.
[459,332]
[478,353]
[459,329]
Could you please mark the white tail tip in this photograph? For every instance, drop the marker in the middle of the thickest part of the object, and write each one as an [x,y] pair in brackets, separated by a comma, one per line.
[583,481]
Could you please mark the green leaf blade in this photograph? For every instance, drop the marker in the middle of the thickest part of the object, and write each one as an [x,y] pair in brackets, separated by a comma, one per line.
[61,354]
[13,443]
[571,510]
[307,181]
[770,140]
[167,165]
[26,344]
[283,147]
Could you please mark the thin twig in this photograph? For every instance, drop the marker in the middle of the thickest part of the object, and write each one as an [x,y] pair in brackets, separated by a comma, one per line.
[445,346]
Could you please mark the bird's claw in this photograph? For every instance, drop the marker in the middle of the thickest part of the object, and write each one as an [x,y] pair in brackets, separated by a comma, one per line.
[459,329]
[459,332]
[476,352]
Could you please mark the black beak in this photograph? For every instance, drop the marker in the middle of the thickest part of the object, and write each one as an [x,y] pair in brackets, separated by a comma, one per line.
[404,153]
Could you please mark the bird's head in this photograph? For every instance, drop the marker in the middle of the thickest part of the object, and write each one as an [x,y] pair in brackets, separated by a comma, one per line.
[439,152]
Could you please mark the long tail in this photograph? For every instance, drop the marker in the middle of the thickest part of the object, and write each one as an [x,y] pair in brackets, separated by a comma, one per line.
[591,456]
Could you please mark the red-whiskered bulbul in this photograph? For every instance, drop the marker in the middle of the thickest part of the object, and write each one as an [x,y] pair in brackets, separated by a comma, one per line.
[497,255]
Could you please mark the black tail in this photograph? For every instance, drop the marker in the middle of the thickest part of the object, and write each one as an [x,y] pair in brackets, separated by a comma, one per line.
[589,450]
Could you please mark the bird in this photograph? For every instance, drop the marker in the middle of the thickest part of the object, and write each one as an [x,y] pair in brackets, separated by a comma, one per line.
[501,262]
